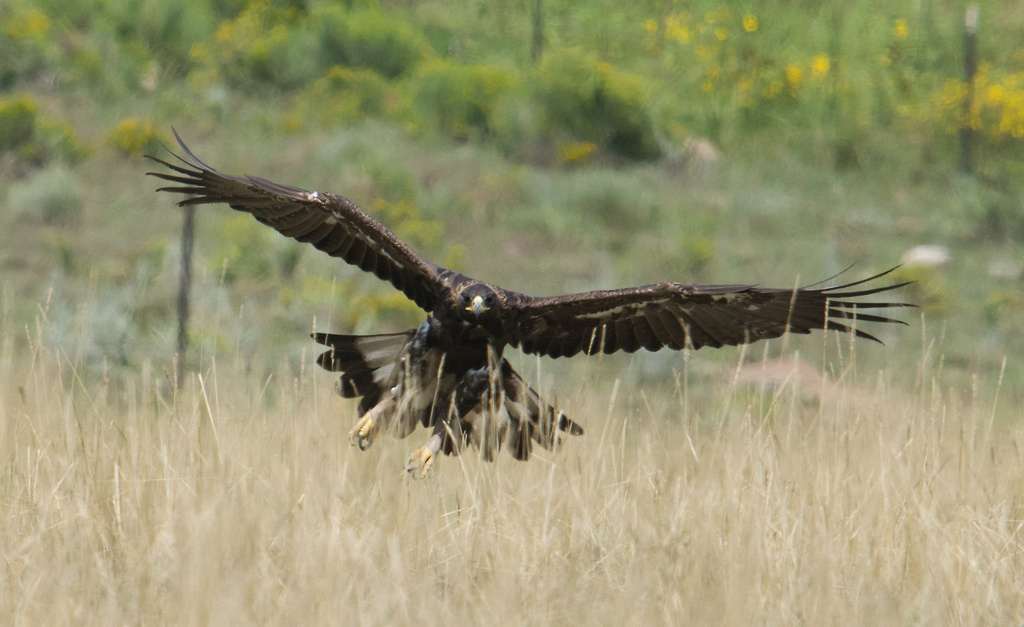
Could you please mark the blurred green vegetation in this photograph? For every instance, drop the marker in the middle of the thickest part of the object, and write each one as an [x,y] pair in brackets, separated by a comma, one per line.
[706,141]
[35,138]
[592,101]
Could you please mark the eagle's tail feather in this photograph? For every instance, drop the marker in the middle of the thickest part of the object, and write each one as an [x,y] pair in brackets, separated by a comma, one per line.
[365,361]
[504,412]
[532,418]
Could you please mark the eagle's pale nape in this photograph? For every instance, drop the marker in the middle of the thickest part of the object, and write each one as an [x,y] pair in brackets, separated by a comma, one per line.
[449,374]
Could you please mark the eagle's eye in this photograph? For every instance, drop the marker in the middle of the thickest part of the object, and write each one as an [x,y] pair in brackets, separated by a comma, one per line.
[489,300]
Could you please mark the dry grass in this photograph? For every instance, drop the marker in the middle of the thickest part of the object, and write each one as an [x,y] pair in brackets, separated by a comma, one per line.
[246,505]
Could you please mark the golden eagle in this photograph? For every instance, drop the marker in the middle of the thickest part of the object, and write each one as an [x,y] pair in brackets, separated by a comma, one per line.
[449,374]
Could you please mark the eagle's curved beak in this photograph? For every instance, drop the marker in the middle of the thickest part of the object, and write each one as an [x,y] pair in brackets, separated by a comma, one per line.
[478,306]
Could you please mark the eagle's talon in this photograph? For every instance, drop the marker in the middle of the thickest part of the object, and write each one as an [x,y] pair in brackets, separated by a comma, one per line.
[364,433]
[420,460]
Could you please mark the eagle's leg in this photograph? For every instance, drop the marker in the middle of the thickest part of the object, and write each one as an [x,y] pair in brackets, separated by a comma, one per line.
[365,431]
[421,459]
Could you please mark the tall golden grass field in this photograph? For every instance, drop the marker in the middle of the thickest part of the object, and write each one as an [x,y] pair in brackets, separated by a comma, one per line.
[805,499]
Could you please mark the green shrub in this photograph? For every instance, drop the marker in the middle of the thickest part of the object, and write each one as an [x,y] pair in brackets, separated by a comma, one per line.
[343,96]
[992,208]
[369,39]
[87,67]
[55,244]
[135,136]
[408,224]
[591,101]
[168,28]
[17,122]
[271,46]
[35,138]
[620,204]
[27,44]
[463,98]
[243,251]
[51,196]
[929,288]
[1003,307]
[57,138]
[145,261]
[392,184]
[261,48]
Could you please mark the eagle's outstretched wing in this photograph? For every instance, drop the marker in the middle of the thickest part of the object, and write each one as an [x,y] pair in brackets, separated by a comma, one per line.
[332,223]
[689,316]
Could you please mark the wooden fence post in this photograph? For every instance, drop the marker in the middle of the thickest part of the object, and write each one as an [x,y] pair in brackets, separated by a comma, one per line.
[188,233]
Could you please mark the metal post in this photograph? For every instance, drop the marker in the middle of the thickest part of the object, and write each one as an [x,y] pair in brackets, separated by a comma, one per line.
[537,45]
[970,69]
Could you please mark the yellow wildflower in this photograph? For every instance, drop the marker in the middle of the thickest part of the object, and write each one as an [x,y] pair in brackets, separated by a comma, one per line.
[679,33]
[651,26]
[953,94]
[1012,124]
[225,32]
[576,152]
[899,29]
[750,22]
[198,52]
[819,66]
[722,33]
[31,24]
[795,75]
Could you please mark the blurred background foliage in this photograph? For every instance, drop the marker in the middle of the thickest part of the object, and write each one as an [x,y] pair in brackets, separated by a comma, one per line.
[698,141]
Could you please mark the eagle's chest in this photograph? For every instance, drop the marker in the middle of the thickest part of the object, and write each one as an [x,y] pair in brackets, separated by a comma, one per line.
[465,346]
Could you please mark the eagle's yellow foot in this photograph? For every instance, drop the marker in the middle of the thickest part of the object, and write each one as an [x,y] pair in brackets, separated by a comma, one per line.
[419,462]
[421,459]
[364,433]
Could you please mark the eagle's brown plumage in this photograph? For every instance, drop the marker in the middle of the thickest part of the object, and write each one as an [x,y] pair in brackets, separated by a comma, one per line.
[449,374]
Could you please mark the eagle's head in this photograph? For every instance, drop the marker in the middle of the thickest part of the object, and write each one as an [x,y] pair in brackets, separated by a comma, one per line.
[479,304]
